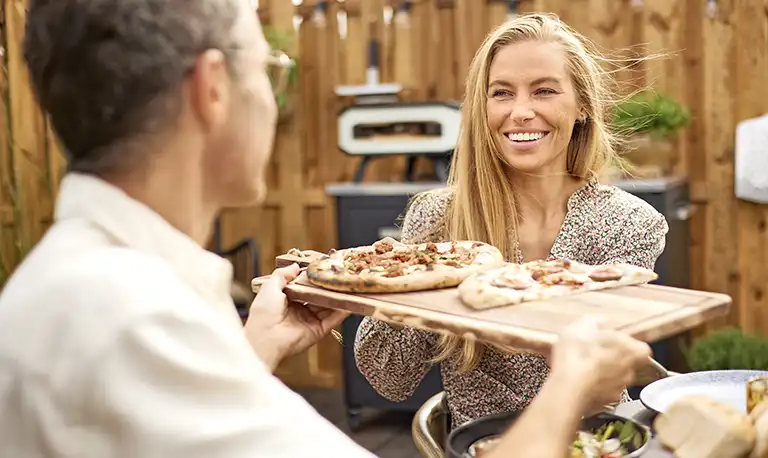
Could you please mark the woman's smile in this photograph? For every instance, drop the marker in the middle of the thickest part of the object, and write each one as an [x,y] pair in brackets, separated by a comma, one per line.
[525,140]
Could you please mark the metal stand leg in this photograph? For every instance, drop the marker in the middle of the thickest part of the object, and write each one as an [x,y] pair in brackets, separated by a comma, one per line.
[442,165]
[409,168]
[354,418]
[361,169]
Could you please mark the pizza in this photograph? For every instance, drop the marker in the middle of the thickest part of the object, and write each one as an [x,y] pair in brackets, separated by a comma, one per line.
[540,280]
[389,266]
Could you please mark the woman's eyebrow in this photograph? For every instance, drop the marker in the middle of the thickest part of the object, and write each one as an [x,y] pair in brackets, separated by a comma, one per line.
[546,80]
[537,82]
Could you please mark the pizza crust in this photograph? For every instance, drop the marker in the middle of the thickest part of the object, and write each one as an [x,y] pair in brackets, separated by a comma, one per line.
[504,286]
[331,272]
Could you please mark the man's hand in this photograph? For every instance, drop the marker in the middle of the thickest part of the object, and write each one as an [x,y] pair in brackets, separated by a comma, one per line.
[277,328]
[590,366]
[600,363]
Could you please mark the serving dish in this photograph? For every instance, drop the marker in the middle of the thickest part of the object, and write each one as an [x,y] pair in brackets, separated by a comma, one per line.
[462,440]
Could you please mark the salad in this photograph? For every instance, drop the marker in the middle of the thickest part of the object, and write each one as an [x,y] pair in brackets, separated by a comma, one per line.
[615,439]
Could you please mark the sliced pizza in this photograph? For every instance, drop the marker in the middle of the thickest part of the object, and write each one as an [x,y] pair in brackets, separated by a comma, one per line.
[541,280]
[389,266]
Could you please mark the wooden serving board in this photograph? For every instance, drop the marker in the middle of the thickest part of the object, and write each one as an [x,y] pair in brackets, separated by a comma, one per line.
[647,312]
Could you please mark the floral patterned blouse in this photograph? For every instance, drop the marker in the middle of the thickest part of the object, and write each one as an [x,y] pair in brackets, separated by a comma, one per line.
[603,224]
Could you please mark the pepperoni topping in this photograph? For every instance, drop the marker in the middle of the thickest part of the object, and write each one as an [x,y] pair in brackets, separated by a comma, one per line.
[513,281]
[607,273]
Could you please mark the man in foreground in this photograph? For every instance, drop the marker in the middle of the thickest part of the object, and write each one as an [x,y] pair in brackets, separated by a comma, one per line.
[119,337]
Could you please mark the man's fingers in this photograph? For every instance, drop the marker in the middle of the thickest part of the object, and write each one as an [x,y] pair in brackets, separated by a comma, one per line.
[279,278]
[333,319]
[274,284]
[642,350]
[589,323]
[288,273]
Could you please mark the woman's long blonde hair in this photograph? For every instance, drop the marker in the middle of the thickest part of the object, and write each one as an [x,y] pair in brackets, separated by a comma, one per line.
[483,206]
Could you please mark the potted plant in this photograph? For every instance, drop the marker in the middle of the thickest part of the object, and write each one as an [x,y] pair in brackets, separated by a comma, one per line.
[650,121]
[727,349]
[286,103]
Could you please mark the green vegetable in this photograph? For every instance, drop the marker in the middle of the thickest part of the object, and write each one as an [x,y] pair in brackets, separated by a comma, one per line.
[637,441]
[628,432]
[607,433]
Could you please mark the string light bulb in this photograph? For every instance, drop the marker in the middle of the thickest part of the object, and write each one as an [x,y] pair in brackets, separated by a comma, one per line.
[711,9]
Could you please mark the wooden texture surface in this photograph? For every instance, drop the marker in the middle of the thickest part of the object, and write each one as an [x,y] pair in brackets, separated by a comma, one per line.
[712,65]
[647,312]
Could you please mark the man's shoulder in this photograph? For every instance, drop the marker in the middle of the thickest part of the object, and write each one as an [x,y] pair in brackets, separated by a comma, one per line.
[103,279]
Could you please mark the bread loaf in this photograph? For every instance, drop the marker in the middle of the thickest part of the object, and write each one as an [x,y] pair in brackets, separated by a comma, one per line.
[759,418]
[699,427]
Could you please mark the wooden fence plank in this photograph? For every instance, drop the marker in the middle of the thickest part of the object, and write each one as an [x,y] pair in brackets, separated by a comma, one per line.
[721,233]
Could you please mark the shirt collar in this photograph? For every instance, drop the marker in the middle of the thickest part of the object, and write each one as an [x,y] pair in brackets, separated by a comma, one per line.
[130,223]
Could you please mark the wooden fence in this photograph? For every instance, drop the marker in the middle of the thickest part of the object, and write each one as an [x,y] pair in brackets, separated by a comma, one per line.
[715,68]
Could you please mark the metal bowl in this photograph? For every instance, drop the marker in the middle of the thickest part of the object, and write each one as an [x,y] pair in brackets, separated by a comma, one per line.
[461,439]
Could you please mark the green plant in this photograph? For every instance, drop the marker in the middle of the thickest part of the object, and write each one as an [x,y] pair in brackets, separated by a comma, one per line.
[729,348]
[284,42]
[652,113]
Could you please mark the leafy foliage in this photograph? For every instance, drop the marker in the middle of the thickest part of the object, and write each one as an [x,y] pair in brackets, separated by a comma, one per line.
[652,113]
[729,348]
[283,42]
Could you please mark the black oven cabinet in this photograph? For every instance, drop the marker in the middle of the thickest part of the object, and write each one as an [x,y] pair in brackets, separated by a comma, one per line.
[367,212]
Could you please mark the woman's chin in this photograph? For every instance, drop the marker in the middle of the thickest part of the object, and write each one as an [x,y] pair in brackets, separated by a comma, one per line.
[526,164]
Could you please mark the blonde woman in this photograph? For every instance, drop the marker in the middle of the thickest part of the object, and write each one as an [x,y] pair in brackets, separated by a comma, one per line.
[534,137]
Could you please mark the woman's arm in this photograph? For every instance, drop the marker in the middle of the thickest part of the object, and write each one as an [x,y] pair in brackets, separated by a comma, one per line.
[643,239]
[395,359]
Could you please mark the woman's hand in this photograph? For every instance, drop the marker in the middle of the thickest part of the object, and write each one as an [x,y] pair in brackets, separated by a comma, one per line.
[601,363]
[277,328]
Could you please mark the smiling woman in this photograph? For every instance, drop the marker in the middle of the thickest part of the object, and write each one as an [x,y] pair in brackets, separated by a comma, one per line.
[532,112]
[534,137]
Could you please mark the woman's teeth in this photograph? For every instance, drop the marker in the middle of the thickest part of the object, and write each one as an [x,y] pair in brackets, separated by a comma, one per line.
[525,137]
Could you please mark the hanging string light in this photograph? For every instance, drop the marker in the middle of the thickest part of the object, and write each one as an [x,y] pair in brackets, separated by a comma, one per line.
[512,9]
[711,9]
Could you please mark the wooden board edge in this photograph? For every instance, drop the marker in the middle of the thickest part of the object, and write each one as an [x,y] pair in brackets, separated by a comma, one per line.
[690,316]
[428,320]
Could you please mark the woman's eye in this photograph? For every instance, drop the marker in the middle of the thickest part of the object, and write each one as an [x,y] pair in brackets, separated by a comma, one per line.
[545,92]
[500,93]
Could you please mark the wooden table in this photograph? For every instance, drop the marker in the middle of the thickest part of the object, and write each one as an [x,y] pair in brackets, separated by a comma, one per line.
[647,312]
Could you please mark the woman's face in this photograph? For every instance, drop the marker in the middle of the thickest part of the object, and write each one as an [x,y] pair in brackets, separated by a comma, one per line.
[532,106]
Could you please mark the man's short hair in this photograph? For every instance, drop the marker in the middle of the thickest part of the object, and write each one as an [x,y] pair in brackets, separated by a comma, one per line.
[109,71]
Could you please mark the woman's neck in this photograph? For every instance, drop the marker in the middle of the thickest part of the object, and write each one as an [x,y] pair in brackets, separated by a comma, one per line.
[542,198]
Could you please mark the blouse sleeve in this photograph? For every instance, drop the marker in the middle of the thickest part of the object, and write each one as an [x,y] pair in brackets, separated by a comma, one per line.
[395,359]
[643,238]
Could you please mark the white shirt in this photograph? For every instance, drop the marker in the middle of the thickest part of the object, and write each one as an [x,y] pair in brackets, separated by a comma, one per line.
[119,338]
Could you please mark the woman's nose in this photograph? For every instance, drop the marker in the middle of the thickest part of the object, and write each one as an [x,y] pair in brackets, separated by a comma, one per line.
[522,111]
